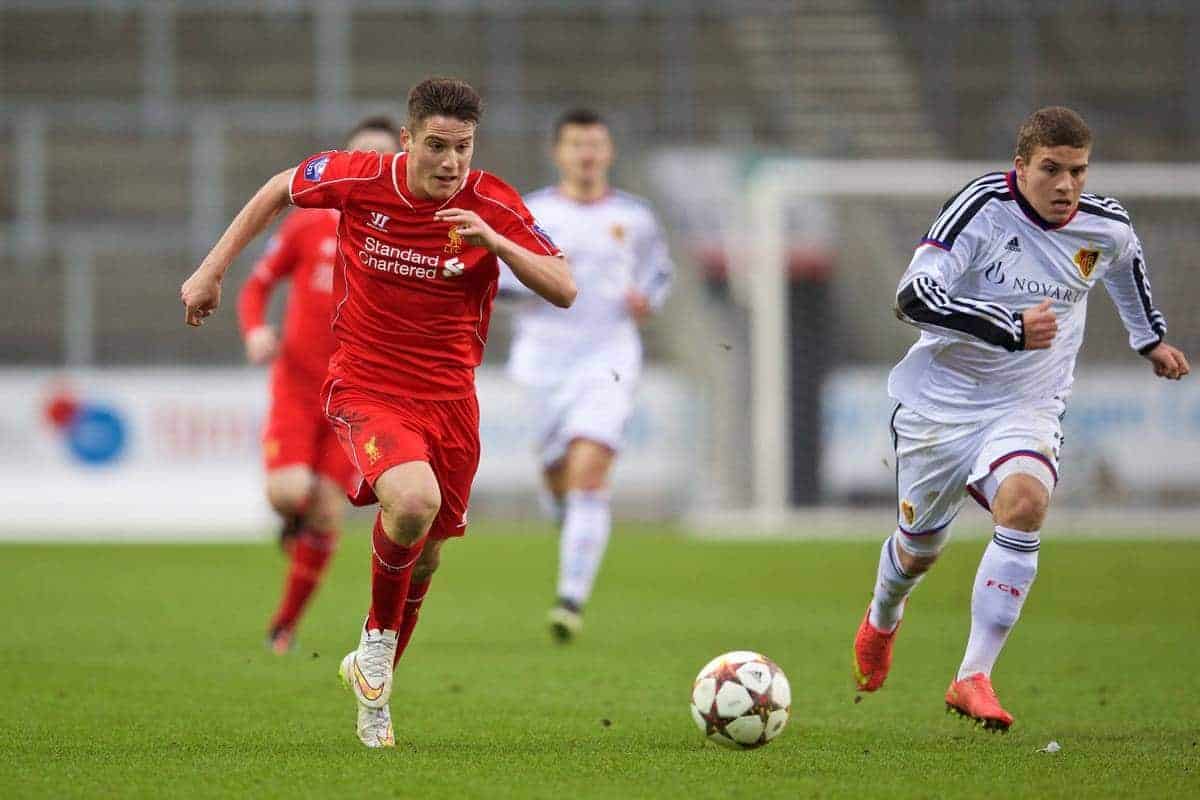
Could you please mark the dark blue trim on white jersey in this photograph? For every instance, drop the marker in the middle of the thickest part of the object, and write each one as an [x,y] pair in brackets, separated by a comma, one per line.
[934,243]
[960,209]
[1101,206]
[1108,212]
[1154,317]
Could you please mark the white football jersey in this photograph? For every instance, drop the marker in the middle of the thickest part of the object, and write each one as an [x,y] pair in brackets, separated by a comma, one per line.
[614,244]
[988,257]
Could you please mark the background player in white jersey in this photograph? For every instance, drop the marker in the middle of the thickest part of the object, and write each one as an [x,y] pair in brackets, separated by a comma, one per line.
[581,365]
[999,289]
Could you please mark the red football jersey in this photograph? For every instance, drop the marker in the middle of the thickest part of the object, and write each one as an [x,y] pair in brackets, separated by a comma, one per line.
[412,300]
[304,249]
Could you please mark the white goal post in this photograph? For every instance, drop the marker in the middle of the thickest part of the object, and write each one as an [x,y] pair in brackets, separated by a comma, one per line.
[772,184]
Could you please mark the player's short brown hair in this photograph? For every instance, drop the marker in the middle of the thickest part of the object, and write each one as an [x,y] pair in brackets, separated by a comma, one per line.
[378,122]
[577,116]
[1053,126]
[443,97]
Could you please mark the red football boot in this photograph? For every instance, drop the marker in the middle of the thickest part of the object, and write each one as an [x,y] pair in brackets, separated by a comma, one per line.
[872,654]
[974,697]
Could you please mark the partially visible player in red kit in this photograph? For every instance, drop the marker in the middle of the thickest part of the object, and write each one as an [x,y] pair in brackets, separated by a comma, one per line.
[307,472]
[416,272]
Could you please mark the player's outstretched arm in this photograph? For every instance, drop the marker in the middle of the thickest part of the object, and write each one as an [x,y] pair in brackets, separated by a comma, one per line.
[548,276]
[201,293]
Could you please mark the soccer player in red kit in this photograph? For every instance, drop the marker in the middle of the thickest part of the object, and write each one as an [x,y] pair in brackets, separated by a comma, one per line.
[307,472]
[419,240]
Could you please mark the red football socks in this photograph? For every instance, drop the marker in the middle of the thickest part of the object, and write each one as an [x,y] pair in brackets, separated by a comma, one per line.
[391,573]
[310,553]
[412,611]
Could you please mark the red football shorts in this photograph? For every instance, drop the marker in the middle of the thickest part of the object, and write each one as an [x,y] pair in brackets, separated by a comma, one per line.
[380,431]
[297,432]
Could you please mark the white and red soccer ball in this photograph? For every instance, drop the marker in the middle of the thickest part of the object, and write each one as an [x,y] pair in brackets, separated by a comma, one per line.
[741,699]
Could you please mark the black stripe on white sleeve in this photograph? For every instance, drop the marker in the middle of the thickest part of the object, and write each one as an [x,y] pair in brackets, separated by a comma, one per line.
[1154,317]
[960,209]
[1106,207]
[923,300]
[1105,211]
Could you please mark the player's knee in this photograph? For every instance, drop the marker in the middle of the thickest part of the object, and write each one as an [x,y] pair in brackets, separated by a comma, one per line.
[1021,503]
[288,492]
[409,512]
[588,465]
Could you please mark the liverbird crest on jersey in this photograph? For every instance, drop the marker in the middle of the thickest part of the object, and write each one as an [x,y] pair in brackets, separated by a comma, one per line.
[454,242]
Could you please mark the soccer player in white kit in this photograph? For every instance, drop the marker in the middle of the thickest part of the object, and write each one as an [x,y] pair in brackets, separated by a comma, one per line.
[999,289]
[581,365]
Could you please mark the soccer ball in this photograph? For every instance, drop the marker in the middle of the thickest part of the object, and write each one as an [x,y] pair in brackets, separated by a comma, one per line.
[741,699]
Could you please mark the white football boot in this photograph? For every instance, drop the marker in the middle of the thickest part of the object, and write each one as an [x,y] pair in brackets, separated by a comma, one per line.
[374,727]
[367,672]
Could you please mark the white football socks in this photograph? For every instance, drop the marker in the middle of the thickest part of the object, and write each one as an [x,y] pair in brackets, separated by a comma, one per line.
[1002,583]
[892,587]
[586,526]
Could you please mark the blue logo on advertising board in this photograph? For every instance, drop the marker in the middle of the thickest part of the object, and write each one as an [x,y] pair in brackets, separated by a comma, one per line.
[94,433]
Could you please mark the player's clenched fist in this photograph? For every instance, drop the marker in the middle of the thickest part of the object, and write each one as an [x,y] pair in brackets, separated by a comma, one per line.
[470,226]
[1041,326]
[201,294]
[1169,362]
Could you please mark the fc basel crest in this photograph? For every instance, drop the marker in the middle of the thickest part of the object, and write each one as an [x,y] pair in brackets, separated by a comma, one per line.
[1086,261]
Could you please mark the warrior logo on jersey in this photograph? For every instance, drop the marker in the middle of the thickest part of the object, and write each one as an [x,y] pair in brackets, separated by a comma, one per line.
[618,231]
[1086,261]
[452,268]
[454,242]
[378,221]
[314,169]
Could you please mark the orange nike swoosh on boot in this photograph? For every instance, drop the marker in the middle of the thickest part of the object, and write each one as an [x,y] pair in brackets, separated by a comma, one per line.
[364,687]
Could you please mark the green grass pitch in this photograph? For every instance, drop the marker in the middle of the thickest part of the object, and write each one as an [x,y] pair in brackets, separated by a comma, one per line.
[139,671]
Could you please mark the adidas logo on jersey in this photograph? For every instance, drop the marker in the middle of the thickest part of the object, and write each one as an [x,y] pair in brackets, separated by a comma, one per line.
[1013,245]
[452,268]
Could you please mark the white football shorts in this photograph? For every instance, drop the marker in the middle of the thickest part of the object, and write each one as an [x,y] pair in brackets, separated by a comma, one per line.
[939,464]
[589,403]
